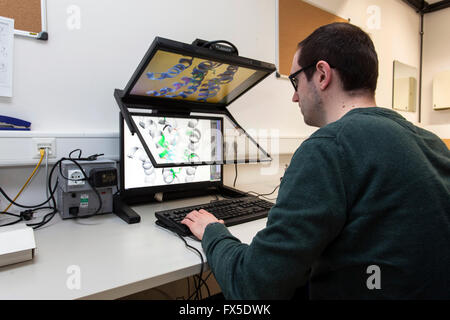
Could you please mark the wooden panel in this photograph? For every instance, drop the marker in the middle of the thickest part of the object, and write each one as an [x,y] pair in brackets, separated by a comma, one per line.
[26,14]
[297,20]
[447,142]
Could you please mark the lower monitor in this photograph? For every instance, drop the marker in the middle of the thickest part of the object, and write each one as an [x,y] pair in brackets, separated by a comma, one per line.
[137,171]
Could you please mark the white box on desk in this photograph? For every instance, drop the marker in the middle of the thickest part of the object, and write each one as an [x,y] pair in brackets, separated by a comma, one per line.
[17,244]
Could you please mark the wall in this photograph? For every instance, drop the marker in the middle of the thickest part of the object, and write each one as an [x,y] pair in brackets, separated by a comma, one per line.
[436,58]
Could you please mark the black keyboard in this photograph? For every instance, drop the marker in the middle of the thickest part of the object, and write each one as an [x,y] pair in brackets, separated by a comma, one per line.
[231,211]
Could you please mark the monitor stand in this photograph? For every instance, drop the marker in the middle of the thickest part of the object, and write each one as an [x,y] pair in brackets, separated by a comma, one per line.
[122,208]
[124,211]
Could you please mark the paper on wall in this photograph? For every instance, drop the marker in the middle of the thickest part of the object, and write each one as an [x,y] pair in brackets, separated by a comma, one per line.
[6,56]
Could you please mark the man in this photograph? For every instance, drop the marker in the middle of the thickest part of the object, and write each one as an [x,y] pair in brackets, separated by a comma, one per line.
[363,211]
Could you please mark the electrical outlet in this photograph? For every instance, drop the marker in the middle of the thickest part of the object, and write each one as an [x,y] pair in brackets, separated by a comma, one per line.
[43,143]
[75,174]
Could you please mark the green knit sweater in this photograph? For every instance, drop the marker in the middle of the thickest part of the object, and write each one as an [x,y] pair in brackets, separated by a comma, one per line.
[363,212]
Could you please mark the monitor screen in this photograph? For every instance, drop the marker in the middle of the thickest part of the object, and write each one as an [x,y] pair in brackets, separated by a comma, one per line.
[182,74]
[138,171]
[175,76]
[178,140]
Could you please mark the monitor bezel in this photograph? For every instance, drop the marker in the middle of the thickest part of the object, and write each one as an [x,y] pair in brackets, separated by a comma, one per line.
[197,52]
[151,190]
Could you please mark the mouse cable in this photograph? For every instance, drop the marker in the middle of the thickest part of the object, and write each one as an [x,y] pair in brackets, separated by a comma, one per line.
[196,284]
[197,293]
[205,283]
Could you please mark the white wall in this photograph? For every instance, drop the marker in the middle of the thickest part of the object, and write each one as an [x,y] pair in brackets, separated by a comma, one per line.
[436,58]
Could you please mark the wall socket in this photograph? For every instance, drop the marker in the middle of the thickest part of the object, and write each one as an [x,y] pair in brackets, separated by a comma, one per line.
[48,143]
[75,174]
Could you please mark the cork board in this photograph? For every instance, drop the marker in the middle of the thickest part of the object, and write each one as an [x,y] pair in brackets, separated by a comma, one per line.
[297,20]
[26,14]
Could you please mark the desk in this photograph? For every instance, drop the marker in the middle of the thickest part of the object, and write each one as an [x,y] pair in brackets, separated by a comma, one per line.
[115,259]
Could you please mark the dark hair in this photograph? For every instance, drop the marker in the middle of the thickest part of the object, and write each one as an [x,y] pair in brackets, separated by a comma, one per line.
[347,48]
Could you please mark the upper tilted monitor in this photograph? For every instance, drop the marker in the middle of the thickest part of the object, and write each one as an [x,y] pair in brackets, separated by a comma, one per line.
[186,76]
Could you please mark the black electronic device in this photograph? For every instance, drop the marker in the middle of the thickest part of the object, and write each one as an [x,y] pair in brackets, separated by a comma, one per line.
[175,129]
[103,177]
[231,211]
[169,68]
[138,177]
[176,78]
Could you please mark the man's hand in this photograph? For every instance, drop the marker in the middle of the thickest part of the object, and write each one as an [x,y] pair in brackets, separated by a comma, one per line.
[198,220]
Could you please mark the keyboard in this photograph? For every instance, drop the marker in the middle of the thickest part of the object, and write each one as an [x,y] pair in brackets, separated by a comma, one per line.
[231,211]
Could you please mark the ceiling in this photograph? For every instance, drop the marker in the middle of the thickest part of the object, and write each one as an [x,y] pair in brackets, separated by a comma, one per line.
[428,6]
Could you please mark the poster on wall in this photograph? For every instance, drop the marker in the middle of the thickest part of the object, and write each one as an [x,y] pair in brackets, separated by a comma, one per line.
[6,56]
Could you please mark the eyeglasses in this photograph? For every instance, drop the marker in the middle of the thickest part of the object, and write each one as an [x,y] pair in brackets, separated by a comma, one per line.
[293,77]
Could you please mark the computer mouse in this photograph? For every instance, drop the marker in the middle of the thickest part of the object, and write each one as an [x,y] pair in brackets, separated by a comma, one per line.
[177,228]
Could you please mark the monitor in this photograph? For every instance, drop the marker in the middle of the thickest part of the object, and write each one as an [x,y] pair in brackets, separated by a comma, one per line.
[178,74]
[176,78]
[174,137]
[173,140]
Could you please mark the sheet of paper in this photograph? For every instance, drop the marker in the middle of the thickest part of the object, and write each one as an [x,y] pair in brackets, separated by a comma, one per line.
[6,56]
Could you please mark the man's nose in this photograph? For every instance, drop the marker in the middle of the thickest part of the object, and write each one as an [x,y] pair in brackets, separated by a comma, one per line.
[295,97]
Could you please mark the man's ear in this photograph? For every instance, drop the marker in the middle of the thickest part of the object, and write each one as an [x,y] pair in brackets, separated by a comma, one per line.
[325,74]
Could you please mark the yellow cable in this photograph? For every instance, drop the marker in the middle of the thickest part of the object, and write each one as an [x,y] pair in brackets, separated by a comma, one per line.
[42,151]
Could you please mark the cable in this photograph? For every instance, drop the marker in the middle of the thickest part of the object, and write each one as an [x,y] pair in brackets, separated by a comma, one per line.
[79,154]
[197,293]
[49,216]
[44,220]
[24,206]
[58,163]
[28,215]
[93,157]
[42,152]
[235,175]
[46,174]
[210,43]
[13,215]
[206,286]
[262,195]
